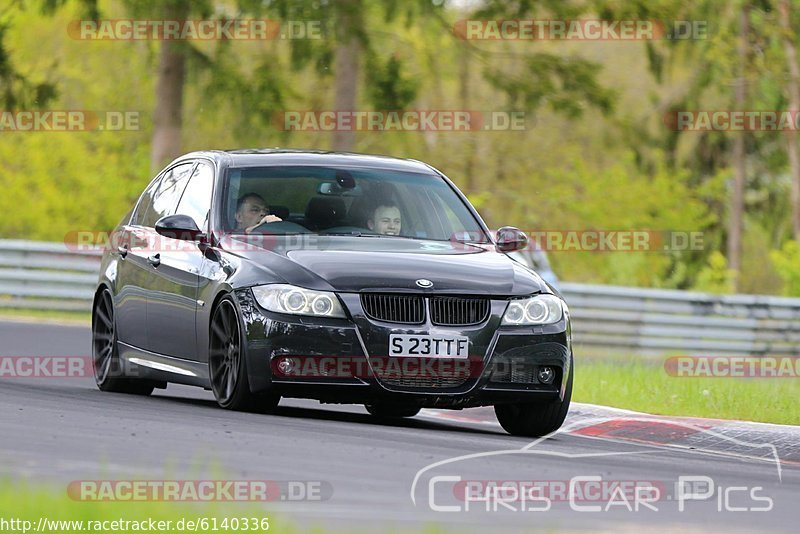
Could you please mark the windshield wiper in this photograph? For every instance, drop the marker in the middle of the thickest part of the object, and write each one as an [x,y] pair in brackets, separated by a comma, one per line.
[354,233]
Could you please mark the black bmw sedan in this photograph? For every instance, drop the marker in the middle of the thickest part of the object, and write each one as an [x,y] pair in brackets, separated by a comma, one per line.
[346,278]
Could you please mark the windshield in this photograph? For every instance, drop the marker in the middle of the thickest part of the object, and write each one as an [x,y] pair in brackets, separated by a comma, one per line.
[358,202]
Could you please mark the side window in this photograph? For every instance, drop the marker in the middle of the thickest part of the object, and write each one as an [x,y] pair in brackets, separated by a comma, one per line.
[166,196]
[196,200]
[145,201]
[452,217]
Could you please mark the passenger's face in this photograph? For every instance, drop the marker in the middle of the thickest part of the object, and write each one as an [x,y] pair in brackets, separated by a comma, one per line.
[251,212]
[386,220]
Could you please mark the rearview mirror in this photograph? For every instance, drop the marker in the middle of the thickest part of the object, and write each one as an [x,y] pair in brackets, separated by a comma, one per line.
[327,188]
[510,239]
[178,227]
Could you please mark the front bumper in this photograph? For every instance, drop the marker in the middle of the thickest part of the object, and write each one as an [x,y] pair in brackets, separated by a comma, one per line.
[343,361]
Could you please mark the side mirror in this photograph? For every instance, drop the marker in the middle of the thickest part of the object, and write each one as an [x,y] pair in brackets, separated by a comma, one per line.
[510,239]
[178,227]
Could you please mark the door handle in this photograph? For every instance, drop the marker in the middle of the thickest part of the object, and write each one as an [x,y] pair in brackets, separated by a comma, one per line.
[154,260]
[123,251]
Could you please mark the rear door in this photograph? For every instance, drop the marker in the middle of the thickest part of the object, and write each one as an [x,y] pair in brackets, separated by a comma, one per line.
[133,273]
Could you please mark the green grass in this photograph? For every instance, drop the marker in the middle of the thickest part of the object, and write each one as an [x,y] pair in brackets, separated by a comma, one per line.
[646,387]
[21,501]
[52,315]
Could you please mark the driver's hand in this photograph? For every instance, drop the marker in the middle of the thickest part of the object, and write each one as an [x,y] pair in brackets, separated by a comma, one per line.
[269,219]
[265,219]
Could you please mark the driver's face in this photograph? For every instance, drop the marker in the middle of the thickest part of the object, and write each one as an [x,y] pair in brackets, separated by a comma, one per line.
[251,212]
[386,220]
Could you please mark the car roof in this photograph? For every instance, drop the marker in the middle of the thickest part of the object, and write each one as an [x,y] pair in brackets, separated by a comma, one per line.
[283,156]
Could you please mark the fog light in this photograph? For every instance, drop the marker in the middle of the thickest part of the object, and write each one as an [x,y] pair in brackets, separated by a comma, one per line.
[286,366]
[546,375]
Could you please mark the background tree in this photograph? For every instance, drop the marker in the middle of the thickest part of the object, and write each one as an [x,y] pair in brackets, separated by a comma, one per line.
[793,88]
[594,154]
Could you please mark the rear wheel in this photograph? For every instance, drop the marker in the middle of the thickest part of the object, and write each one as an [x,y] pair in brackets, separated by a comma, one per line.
[534,419]
[108,369]
[227,365]
[392,411]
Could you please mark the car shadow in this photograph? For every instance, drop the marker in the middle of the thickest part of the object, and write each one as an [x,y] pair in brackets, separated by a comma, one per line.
[295,412]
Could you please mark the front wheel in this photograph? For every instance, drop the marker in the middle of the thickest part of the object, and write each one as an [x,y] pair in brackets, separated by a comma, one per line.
[534,419]
[227,365]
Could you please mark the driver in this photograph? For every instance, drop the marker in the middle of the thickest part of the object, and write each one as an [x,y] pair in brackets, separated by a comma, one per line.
[251,212]
[385,219]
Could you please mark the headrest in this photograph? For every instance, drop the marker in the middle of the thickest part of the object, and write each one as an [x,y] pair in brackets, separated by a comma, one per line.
[325,212]
[359,212]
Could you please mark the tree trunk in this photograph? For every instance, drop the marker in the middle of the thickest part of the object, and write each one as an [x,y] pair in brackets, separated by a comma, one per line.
[793,87]
[464,97]
[168,118]
[737,194]
[346,68]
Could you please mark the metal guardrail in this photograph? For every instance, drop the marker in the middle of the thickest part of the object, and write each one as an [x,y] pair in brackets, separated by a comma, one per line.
[606,319]
[632,320]
[46,276]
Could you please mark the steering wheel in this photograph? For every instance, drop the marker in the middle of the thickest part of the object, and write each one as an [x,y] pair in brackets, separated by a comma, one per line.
[281,227]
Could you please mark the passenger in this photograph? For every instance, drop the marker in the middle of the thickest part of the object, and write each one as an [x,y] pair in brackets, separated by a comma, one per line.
[251,212]
[385,219]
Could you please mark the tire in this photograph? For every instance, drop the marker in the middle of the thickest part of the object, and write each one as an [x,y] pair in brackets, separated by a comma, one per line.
[107,367]
[391,411]
[227,364]
[535,419]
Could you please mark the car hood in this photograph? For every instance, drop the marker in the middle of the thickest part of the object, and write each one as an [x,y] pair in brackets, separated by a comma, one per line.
[353,264]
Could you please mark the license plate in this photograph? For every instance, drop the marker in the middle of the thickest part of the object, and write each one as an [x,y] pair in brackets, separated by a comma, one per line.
[429,346]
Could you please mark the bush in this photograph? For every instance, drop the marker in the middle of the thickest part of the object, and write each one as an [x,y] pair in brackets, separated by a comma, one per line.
[787,263]
[715,277]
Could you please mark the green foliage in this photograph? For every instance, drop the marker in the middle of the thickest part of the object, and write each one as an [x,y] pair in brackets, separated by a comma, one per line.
[787,263]
[18,90]
[620,198]
[758,273]
[715,277]
[389,87]
[480,200]
[566,84]
[51,195]
[594,153]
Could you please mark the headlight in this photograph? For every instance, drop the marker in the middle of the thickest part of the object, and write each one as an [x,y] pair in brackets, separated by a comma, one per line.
[283,298]
[541,309]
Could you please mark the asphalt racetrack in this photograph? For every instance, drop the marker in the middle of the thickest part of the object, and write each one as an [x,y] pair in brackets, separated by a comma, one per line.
[59,430]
